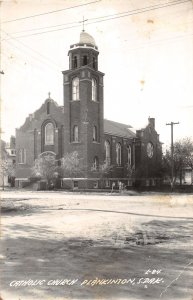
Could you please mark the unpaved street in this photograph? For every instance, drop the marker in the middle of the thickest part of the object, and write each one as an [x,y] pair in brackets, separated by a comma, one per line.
[61,246]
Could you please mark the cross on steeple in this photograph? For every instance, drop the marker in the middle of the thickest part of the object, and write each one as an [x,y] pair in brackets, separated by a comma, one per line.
[49,95]
[83,21]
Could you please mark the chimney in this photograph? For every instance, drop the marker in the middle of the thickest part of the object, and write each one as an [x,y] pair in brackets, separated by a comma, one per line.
[12,142]
[151,122]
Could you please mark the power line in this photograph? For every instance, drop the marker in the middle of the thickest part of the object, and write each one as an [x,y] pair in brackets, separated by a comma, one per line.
[49,60]
[157,42]
[20,64]
[154,43]
[28,61]
[50,12]
[145,9]
[111,17]
[135,48]
[41,61]
[51,26]
[97,18]
[36,52]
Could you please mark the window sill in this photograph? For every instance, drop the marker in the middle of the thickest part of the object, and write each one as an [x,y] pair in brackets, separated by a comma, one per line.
[74,142]
[78,100]
[95,142]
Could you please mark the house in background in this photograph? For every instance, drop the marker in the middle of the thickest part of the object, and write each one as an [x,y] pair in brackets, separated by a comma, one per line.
[79,125]
[8,162]
[3,155]
[187,176]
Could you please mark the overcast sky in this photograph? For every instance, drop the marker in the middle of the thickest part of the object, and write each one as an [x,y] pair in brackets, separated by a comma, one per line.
[146,53]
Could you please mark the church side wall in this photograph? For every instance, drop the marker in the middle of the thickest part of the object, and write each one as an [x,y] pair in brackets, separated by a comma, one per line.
[119,171]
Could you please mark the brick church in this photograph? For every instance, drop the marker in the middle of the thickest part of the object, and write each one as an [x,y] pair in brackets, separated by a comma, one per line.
[79,125]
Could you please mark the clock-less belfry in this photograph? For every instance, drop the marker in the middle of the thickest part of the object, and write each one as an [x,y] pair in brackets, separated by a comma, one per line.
[109,151]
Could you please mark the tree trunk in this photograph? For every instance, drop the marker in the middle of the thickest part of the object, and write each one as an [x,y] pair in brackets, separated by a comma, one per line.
[180,173]
[180,176]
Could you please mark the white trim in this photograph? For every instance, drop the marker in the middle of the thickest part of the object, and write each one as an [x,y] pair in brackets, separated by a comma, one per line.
[47,152]
[81,178]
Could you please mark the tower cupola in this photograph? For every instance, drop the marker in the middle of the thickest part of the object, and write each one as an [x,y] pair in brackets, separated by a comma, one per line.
[84,53]
[87,39]
[83,102]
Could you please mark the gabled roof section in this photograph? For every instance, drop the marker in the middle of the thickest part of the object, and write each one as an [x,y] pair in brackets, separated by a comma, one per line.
[36,116]
[118,129]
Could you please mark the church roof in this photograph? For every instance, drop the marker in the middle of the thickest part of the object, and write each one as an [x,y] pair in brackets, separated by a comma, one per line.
[86,38]
[118,129]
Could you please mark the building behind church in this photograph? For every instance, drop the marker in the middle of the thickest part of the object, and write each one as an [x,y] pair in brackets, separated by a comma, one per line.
[79,125]
[7,162]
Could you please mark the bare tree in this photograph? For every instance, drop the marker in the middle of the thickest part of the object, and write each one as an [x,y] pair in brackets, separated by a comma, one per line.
[102,170]
[71,166]
[6,169]
[45,167]
[183,158]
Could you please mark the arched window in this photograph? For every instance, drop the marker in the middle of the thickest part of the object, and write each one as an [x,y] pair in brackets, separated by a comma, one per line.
[85,60]
[70,61]
[22,156]
[107,153]
[95,163]
[94,90]
[94,62]
[94,136]
[129,155]
[118,154]
[75,88]
[75,62]
[75,133]
[49,134]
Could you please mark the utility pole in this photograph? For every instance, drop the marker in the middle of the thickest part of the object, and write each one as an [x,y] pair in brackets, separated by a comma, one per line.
[172,153]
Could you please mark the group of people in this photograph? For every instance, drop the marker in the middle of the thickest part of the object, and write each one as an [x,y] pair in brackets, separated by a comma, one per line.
[121,186]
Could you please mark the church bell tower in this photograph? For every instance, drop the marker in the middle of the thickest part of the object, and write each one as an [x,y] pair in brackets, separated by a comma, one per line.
[83,103]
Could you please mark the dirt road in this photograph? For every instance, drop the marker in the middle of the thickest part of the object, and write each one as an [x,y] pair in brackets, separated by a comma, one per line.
[74,246]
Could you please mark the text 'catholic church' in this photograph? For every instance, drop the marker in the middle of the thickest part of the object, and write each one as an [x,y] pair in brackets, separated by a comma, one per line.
[79,125]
